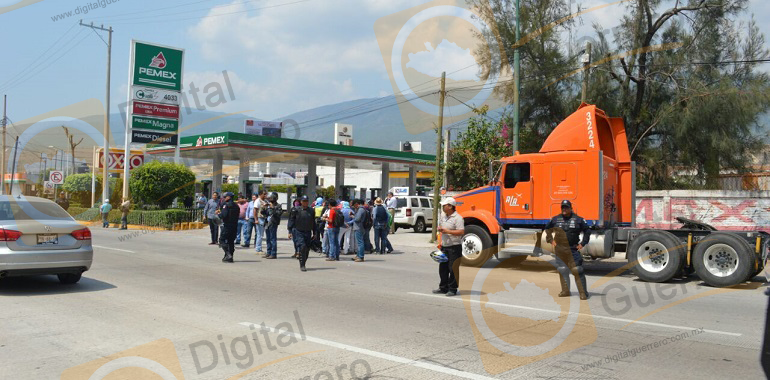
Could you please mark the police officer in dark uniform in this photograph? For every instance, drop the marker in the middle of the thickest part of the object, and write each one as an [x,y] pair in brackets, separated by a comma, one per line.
[229,212]
[301,224]
[563,232]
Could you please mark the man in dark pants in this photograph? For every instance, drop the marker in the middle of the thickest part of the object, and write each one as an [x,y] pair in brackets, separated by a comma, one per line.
[210,212]
[452,228]
[301,225]
[567,244]
[229,214]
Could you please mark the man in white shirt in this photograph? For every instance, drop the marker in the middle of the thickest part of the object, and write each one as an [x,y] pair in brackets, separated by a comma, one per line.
[452,228]
[259,204]
[391,203]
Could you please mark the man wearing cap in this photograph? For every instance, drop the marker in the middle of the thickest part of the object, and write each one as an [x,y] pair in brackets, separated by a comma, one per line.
[105,210]
[229,213]
[563,232]
[452,228]
[301,225]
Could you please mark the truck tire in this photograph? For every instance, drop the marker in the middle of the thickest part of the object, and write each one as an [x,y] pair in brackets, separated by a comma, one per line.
[723,259]
[659,255]
[419,225]
[477,246]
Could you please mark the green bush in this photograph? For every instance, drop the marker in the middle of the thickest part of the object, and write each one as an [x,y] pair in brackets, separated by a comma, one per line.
[231,187]
[151,218]
[158,183]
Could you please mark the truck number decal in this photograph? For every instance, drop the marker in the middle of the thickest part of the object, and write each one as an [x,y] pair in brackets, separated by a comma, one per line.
[590,130]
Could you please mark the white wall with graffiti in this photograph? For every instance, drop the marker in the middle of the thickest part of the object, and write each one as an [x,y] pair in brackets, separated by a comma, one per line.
[725,210]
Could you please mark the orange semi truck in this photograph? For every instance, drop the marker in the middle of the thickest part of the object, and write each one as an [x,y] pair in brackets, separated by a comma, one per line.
[586,160]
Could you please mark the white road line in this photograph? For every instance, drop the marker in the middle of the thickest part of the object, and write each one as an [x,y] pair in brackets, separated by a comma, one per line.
[114,249]
[676,327]
[376,354]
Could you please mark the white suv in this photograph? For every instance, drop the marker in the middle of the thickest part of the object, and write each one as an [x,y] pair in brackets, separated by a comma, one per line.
[413,212]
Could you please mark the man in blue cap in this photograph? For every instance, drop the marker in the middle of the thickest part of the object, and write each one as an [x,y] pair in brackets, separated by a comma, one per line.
[563,232]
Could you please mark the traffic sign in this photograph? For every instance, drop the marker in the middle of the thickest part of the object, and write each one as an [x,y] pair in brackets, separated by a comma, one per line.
[157,66]
[155,109]
[154,124]
[57,177]
[48,185]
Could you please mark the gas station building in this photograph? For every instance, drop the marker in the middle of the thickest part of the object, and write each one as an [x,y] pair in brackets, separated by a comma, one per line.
[248,148]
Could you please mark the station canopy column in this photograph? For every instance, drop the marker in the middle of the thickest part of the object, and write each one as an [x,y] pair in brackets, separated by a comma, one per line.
[216,175]
[243,174]
[385,178]
[312,178]
[412,180]
[339,177]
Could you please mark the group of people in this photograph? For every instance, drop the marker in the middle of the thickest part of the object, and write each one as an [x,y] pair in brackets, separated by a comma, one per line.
[328,226]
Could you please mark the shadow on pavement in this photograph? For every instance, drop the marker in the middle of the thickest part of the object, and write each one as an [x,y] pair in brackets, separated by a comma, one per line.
[47,285]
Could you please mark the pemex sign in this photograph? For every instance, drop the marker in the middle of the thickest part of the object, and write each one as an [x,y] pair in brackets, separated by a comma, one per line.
[156,85]
[157,66]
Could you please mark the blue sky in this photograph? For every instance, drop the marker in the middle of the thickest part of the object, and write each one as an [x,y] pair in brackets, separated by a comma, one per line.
[280,58]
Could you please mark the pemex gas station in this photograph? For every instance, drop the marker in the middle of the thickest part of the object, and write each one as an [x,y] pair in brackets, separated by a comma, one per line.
[248,148]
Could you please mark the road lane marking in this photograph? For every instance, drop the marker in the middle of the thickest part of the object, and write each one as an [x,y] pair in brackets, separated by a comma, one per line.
[114,249]
[376,354]
[676,327]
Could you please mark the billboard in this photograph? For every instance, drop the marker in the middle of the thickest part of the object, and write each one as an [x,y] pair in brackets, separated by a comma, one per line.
[343,134]
[262,128]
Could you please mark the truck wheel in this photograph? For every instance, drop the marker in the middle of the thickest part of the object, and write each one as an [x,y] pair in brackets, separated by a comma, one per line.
[723,259]
[657,256]
[419,226]
[477,246]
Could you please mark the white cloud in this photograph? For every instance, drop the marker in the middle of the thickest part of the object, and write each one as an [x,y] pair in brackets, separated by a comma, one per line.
[447,56]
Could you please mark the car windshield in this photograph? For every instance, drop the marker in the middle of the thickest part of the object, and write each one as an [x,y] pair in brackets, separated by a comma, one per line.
[20,209]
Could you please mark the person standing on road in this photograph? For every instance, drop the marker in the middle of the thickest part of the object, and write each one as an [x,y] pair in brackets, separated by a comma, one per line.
[367,227]
[272,213]
[200,201]
[358,230]
[563,232]
[125,208]
[105,210]
[346,231]
[391,203]
[380,217]
[333,232]
[452,228]
[250,222]
[301,225]
[229,214]
[62,201]
[242,211]
[259,207]
[210,212]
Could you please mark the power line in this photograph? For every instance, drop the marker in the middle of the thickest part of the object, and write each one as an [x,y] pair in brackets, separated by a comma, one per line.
[145,15]
[145,11]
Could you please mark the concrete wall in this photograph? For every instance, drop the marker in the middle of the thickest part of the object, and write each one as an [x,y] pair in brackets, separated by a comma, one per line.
[725,210]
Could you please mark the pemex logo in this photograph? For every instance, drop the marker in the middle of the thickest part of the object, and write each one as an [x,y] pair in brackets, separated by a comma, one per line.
[199,142]
[159,61]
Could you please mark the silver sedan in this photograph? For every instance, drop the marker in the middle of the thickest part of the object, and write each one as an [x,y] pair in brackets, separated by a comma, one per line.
[37,236]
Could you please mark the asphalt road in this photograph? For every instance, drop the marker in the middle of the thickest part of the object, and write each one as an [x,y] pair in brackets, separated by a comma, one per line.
[165,297]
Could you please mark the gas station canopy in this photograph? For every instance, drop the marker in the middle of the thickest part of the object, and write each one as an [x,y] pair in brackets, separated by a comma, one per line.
[241,146]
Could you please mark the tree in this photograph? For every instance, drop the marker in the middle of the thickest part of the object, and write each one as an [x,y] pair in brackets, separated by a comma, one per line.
[158,183]
[469,156]
[327,192]
[663,71]
[79,186]
[231,187]
[73,145]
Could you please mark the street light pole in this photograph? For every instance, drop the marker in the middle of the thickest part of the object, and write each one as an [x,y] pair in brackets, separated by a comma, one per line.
[439,132]
[516,82]
[105,171]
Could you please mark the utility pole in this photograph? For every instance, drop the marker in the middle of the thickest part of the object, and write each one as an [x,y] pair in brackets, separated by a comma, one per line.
[2,160]
[13,168]
[446,157]
[105,171]
[586,69]
[439,131]
[516,83]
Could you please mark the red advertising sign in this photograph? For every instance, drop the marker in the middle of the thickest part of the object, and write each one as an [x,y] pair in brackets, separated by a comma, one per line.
[153,109]
[116,161]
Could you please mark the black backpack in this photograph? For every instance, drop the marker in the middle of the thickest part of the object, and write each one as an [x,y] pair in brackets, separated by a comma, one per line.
[339,219]
[368,222]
